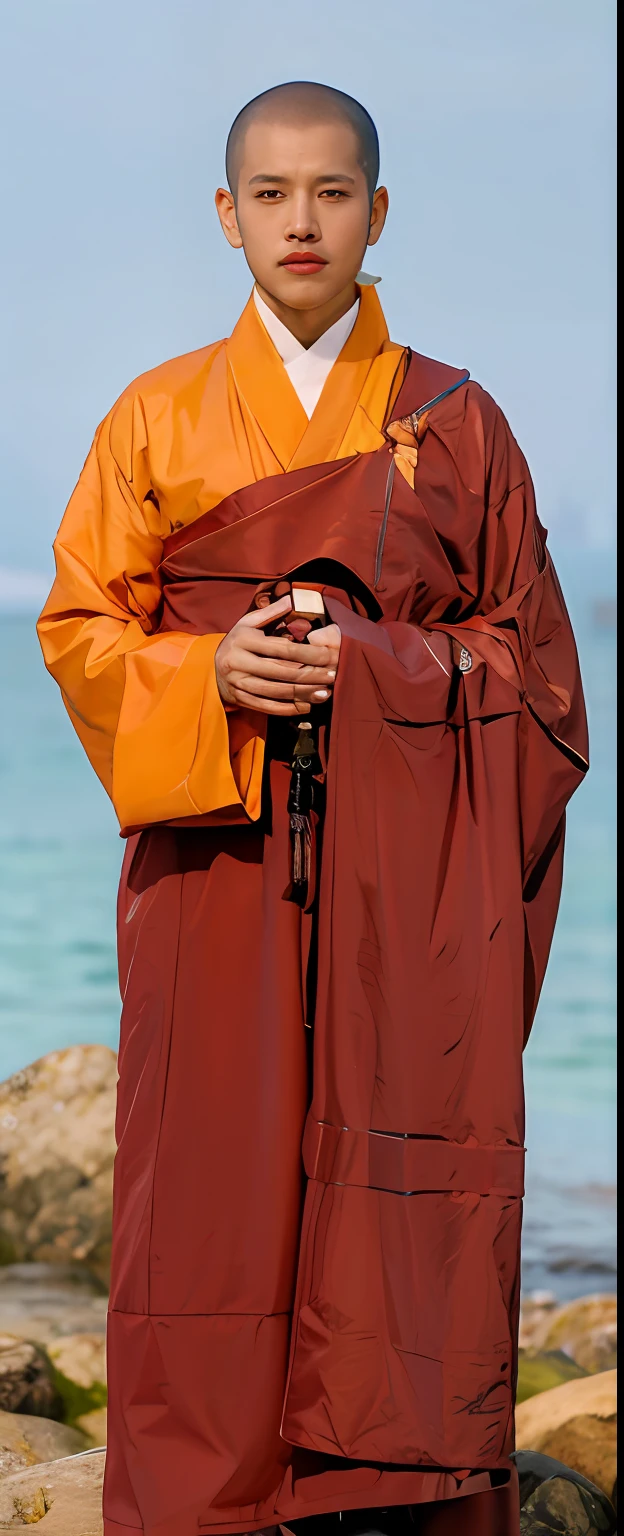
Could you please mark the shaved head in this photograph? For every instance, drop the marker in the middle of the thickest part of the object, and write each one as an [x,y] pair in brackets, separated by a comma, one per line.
[303,102]
[303,204]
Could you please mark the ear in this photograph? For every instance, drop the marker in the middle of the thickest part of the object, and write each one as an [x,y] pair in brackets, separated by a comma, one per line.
[378,215]
[224,204]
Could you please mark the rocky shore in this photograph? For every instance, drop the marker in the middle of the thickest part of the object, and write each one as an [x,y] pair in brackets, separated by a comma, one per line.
[56,1157]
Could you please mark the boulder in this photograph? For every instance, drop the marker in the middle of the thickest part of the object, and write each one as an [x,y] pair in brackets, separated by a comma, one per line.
[539,1370]
[26,1379]
[554,1499]
[586,1330]
[26,1440]
[56,1159]
[575,1424]
[67,1493]
[79,1370]
[536,1310]
[42,1301]
[93,1425]
[560,1505]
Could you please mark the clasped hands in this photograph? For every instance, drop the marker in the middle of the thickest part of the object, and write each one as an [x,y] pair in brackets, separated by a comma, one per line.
[273,674]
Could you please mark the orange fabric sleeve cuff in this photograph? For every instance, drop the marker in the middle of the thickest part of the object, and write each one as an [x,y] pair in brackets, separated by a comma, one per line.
[172,749]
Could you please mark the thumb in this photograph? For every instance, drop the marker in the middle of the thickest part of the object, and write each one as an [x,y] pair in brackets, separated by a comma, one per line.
[330,635]
[261,616]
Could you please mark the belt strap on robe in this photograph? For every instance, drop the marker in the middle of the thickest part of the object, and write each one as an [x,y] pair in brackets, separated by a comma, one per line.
[410,1164]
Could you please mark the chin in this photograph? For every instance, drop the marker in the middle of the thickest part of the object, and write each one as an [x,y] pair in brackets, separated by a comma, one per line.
[304,292]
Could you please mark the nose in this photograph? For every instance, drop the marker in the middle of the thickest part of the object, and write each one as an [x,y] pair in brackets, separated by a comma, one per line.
[302,224]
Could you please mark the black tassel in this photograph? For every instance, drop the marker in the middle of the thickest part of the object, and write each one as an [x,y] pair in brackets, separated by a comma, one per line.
[300,847]
[300,801]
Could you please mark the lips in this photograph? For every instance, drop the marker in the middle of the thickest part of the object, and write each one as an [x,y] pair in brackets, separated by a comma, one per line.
[303,263]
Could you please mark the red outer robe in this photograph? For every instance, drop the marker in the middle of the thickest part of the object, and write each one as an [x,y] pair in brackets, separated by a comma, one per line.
[282,1345]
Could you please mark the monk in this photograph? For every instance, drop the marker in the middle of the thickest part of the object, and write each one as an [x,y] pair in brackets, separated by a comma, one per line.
[307,628]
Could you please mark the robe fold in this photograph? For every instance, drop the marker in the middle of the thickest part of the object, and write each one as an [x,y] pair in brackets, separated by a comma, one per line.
[319,1176]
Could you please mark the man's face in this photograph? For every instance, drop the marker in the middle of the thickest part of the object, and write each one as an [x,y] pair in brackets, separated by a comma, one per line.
[302,210]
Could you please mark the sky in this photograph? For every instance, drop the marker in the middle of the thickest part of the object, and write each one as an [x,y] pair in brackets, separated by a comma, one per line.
[496,122]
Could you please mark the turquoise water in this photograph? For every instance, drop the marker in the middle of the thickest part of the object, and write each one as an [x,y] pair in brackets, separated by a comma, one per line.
[58,984]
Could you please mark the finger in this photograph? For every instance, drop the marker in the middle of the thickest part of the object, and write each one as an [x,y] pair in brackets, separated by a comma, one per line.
[330,636]
[268,706]
[243,661]
[262,688]
[312,695]
[285,650]
[261,616]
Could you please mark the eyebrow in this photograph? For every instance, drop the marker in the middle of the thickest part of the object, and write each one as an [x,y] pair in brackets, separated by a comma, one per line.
[283,180]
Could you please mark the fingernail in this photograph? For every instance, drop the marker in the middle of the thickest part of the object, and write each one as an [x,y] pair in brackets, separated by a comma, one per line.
[322,693]
[331,674]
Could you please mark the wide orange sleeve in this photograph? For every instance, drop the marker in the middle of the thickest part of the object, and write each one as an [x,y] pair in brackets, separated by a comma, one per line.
[145,706]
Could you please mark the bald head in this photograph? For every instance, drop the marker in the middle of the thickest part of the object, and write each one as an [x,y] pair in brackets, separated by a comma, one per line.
[303,102]
[303,202]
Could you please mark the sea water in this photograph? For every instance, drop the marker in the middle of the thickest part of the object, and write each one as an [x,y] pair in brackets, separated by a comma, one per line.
[61,853]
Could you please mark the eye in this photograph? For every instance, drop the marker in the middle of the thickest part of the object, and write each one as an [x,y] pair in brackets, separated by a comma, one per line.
[270,194]
[335,193]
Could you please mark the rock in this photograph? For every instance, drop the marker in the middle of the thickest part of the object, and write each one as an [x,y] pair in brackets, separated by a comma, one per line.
[576,1424]
[560,1505]
[26,1440]
[68,1494]
[41,1301]
[539,1370]
[535,1313]
[590,1446]
[93,1425]
[555,1499]
[26,1381]
[56,1158]
[586,1330]
[79,1370]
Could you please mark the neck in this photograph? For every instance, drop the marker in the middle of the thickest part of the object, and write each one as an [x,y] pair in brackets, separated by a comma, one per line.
[308,324]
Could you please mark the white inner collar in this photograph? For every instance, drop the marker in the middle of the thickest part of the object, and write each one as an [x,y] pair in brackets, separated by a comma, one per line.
[307,367]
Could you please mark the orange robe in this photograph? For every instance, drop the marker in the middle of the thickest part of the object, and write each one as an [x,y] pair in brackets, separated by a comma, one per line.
[180,439]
